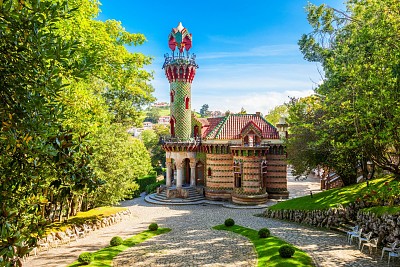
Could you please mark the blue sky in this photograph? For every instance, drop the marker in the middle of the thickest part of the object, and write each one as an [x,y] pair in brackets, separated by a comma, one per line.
[246,50]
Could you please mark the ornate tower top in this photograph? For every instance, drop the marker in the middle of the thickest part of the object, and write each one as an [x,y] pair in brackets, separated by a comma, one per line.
[180,38]
[180,66]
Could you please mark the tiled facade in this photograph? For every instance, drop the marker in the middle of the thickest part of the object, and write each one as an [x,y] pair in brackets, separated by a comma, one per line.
[238,157]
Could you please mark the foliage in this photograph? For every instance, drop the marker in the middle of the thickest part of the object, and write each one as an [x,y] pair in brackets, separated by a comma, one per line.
[229,222]
[151,139]
[116,241]
[276,113]
[204,112]
[267,248]
[153,227]
[105,256]
[151,188]
[338,196]
[264,233]
[359,52]
[86,257]
[286,251]
[382,210]
[143,182]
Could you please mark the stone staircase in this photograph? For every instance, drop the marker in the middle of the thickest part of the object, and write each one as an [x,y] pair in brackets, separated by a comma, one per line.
[194,197]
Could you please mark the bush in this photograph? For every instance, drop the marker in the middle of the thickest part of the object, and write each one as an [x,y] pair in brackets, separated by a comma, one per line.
[151,188]
[86,258]
[143,182]
[286,251]
[153,227]
[116,241]
[229,222]
[264,233]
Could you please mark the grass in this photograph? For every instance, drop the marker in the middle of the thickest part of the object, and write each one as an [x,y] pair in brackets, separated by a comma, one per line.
[82,217]
[267,249]
[383,210]
[334,197]
[104,257]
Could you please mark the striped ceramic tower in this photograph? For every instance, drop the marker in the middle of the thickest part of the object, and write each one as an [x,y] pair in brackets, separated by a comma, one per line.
[180,69]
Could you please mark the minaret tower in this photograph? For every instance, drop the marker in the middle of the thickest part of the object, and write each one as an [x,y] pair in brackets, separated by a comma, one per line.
[180,69]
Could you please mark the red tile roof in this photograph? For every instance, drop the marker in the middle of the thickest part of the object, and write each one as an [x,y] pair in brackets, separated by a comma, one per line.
[231,126]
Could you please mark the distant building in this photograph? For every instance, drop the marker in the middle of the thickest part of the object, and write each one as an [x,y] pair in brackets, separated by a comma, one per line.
[161,104]
[147,125]
[164,120]
[216,113]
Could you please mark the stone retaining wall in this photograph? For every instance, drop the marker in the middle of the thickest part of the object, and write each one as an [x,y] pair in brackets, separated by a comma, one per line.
[386,227]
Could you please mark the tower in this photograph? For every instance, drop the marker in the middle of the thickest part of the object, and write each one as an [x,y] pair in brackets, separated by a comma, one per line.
[180,69]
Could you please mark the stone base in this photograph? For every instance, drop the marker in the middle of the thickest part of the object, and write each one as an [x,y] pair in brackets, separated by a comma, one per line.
[279,195]
[218,195]
[177,193]
[250,200]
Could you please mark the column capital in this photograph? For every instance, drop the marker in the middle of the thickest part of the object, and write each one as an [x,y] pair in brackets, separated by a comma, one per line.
[192,163]
[168,164]
[179,165]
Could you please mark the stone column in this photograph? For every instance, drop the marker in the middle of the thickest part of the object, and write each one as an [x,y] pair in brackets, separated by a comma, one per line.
[169,169]
[179,177]
[193,173]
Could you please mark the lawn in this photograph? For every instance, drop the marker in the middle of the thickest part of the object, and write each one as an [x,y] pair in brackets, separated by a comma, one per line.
[334,197]
[267,249]
[82,217]
[104,257]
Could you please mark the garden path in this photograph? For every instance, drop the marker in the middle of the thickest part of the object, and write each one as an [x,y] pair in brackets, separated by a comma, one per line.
[192,242]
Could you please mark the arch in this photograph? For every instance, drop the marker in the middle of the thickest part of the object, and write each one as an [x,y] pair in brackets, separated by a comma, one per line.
[264,167]
[199,173]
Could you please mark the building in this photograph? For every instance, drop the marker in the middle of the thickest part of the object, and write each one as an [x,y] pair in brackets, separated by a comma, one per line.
[239,157]
[164,120]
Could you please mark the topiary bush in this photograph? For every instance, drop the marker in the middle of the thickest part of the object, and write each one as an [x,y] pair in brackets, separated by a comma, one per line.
[286,251]
[86,258]
[116,241]
[264,233]
[153,227]
[229,222]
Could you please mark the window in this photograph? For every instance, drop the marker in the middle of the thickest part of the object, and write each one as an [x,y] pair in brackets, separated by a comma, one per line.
[196,131]
[172,123]
[237,173]
[264,174]
[187,101]
[209,171]
[172,96]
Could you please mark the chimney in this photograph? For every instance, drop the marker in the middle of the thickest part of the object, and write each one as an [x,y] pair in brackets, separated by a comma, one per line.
[258,113]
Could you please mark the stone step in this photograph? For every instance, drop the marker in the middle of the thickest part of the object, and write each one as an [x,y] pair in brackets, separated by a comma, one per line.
[193,196]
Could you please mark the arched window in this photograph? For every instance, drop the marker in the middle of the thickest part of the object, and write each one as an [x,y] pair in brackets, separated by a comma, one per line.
[196,131]
[237,173]
[264,174]
[171,94]
[209,171]
[172,123]
[187,101]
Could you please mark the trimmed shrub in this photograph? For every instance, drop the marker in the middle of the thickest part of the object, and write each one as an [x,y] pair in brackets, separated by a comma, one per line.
[86,258]
[153,227]
[116,241]
[229,222]
[264,233]
[286,251]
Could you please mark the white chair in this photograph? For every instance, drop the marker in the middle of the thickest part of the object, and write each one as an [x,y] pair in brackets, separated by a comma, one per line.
[373,243]
[356,235]
[390,247]
[366,238]
[354,230]
[394,253]
[79,232]
[86,228]
[71,235]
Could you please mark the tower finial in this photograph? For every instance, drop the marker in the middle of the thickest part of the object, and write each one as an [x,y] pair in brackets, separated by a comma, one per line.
[180,38]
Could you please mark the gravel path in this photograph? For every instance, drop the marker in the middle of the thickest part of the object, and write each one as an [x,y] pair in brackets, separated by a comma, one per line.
[192,242]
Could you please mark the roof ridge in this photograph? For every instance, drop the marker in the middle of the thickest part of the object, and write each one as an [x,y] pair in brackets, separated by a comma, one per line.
[218,128]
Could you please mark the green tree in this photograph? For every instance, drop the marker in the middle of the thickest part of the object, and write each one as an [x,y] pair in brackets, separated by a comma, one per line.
[151,139]
[276,113]
[204,110]
[34,62]
[358,49]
